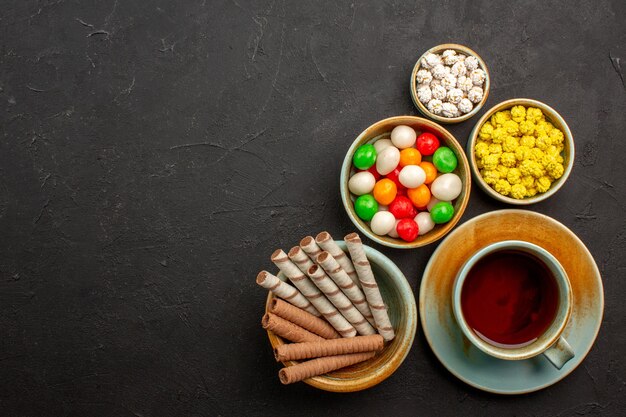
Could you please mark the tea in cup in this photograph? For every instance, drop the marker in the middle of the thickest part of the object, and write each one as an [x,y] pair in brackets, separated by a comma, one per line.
[512,300]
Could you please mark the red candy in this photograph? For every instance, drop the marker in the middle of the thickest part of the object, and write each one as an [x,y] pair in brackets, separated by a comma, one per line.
[407,230]
[372,170]
[402,208]
[427,143]
[393,176]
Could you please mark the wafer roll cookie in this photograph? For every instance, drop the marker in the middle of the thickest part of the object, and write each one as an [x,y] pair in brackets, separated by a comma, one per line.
[288,330]
[349,288]
[300,258]
[326,242]
[313,294]
[307,350]
[320,366]
[303,319]
[309,246]
[285,291]
[370,288]
[339,299]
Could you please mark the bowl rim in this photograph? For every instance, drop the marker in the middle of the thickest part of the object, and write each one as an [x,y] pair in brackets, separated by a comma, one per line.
[345,193]
[409,308]
[413,84]
[552,114]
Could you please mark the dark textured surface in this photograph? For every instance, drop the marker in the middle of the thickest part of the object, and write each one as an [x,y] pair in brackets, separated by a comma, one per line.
[153,154]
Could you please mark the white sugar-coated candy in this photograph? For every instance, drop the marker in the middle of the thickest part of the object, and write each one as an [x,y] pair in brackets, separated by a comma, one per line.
[412,176]
[447,187]
[382,223]
[387,160]
[394,230]
[381,144]
[471,63]
[433,200]
[403,137]
[424,222]
[361,183]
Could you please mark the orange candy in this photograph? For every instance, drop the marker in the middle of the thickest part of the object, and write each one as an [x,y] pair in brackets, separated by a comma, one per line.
[419,196]
[410,156]
[430,170]
[385,191]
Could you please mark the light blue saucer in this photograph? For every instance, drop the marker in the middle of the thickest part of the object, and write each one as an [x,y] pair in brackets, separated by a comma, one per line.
[463,359]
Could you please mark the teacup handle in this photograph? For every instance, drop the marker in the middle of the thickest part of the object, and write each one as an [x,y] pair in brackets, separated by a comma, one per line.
[559,353]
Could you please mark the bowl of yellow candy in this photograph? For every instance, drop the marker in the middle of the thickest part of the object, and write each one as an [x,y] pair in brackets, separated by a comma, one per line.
[521,151]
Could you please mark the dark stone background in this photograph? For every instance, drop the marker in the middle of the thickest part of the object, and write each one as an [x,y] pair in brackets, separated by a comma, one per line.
[154,153]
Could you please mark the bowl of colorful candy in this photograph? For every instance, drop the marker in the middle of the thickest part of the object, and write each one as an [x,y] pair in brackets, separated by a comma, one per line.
[521,151]
[449,83]
[405,182]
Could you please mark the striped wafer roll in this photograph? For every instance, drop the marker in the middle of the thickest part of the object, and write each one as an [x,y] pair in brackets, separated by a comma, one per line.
[307,350]
[300,258]
[310,247]
[288,330]
[349,288]
[285,291]
[320,366]
[339,299]
[370,288]
[326,242]
[313,294]
[302,318]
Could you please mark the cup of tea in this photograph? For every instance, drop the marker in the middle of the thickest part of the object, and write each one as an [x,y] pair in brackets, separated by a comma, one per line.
[512,300]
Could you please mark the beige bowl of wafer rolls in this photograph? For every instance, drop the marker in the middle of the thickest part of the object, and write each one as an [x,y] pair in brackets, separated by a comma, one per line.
[340,316]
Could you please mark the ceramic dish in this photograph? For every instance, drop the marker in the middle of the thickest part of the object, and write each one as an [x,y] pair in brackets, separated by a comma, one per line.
[402,309]
[413,84]
[382,129]
[466,361]
[568,152]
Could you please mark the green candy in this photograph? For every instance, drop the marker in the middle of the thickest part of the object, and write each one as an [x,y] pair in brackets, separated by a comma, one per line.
[445,160]
[442,212]
[365,207]
[364,157]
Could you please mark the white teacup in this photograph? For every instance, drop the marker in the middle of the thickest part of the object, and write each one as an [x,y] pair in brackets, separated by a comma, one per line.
[550,343]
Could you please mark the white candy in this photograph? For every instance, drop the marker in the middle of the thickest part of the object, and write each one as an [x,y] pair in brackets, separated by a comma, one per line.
[434,83]
[381,144]
[387,160]
[465,106]
[412,176]
[424,223]
[478,77]
[435,106]
[382,223]
[440,71]
[464,83]
[431,60]
[450,57]
[475,94]
[449,110]
[471,63]
[438,92]
[432,202]
[455,95]
[424,94]
[458,69]
[461,57]
[394,230]
[424,76]
[446,187]
[361,183]
[449,81]
[403,137]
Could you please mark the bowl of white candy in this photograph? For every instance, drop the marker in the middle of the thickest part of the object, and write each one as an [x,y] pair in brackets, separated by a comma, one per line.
[449,83]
